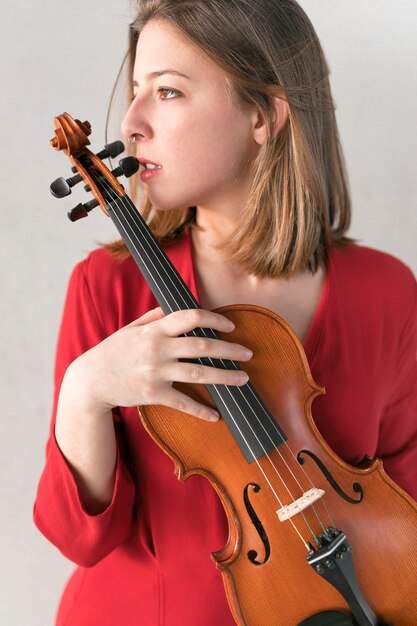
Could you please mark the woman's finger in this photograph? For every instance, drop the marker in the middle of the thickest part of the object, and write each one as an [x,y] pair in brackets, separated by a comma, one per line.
[181,322]
[197,347]
[203,374]
[181,402]
[151,316]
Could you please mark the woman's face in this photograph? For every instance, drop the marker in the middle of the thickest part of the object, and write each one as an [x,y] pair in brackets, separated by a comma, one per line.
[185,121]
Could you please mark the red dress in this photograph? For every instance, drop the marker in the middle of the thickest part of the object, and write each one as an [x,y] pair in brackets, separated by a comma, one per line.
[145,560]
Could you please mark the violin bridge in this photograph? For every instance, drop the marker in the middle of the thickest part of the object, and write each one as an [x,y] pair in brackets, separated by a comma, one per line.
[307,499]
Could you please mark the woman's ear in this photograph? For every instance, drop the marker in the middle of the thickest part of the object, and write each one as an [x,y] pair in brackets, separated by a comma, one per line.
[281,113]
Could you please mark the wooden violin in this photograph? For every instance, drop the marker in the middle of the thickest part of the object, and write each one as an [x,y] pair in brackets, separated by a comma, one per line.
[312,540]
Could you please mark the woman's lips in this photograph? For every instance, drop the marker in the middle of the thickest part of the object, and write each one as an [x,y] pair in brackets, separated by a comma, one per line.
[147,173]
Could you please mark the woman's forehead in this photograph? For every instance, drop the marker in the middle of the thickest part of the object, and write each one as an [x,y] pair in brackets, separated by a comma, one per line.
[163,46]
[163,49]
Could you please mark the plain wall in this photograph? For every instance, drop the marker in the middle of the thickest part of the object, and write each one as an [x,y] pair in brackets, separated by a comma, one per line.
[63,56]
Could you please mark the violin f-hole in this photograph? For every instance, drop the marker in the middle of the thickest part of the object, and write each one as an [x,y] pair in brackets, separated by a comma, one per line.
[357,488]
[252,554]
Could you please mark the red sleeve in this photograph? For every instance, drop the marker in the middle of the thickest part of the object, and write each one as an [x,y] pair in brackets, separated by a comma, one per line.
[58,511]
[398,432]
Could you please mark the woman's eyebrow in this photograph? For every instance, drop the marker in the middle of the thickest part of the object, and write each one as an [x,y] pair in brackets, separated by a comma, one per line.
[160,73]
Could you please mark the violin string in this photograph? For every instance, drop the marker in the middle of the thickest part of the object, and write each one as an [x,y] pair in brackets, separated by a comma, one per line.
[239,408]
[126,205]
[220,400]
[240,432]
[300,467]
[254,396]
[291,453]
[236,425]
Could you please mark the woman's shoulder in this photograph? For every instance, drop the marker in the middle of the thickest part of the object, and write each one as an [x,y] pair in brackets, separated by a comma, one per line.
[361,264]
[104,286]
[103,261]
[115,286]
[373,262]
[372,278]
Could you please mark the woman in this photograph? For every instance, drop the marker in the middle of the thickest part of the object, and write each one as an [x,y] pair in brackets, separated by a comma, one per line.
[243,182]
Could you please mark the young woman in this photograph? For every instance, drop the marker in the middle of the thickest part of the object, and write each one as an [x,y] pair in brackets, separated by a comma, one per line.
[243,182]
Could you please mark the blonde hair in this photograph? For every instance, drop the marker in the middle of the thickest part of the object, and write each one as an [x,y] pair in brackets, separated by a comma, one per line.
[299,205]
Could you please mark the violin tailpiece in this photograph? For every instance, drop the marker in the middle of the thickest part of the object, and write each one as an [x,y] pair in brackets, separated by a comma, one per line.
[333,562]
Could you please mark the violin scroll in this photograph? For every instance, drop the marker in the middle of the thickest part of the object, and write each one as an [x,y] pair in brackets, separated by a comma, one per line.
[70,134]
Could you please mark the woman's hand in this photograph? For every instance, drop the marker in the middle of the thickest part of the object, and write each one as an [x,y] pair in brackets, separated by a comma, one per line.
[138,364]
[135,366]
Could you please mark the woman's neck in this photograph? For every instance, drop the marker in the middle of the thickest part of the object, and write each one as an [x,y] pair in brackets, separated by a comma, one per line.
[213,227]
[221,282]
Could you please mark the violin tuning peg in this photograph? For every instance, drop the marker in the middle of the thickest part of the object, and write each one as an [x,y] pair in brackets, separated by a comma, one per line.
[61,187]
[111,150]
[81,210]
[91,204]
[74,180]
[77,213]
[127,166]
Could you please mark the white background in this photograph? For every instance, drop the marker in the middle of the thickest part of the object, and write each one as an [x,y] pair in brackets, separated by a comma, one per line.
[63,56]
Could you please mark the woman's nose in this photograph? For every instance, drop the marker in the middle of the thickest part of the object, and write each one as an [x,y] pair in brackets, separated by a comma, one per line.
[134,122]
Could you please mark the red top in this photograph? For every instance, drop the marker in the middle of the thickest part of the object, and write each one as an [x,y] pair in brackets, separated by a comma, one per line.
[145,559]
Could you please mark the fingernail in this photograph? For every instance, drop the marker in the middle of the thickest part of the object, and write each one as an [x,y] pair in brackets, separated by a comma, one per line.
[213,417]
[247,354]
[230,325]
[243,377]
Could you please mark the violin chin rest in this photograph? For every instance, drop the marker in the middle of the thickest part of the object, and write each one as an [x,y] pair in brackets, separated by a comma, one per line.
[329,618]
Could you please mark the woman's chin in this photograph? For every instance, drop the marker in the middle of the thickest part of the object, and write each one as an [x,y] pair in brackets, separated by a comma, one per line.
[163,205]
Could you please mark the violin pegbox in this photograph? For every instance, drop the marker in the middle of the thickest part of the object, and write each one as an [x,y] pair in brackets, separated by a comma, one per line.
[71,136]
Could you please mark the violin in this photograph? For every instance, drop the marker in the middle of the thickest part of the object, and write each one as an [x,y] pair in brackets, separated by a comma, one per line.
[312,540]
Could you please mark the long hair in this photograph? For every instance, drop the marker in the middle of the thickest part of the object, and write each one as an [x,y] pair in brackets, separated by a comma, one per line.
[299,204]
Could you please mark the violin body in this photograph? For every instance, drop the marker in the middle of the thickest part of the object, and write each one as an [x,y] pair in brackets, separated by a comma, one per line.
[381,524]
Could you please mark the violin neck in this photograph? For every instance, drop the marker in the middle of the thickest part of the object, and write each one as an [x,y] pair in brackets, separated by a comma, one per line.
[169,289]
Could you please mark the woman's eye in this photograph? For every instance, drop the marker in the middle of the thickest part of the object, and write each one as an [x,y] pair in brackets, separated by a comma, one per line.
[165,93]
